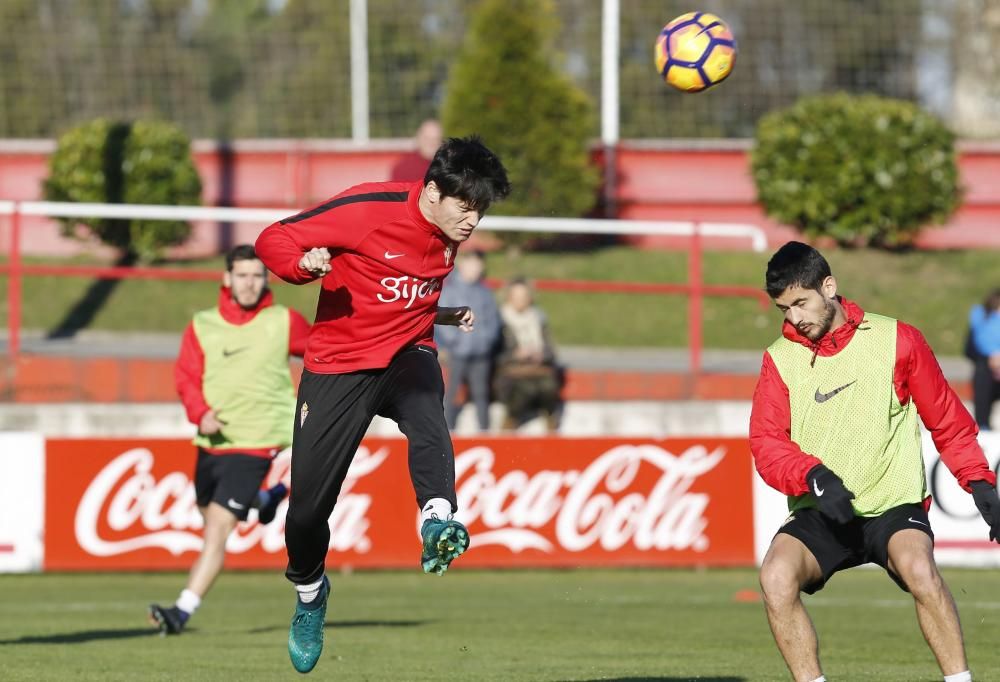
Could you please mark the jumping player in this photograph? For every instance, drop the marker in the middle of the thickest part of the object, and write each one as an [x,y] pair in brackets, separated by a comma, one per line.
[382,250]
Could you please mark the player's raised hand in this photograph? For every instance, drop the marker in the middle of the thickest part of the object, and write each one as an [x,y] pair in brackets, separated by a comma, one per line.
[316,261]
[832,497]
[988,504]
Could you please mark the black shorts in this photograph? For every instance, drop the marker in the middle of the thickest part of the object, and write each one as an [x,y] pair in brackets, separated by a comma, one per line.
[861,541]
[231,480]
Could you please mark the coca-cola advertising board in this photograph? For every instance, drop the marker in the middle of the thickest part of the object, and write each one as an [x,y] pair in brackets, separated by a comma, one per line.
[130,504]
[22,461]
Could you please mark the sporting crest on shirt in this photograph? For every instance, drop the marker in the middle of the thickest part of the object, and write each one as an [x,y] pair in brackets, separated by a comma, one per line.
[449,251]
[303,413]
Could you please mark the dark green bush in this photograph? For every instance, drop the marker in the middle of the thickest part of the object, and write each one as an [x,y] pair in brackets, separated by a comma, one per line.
[146,162]
[505,86]
[862,170]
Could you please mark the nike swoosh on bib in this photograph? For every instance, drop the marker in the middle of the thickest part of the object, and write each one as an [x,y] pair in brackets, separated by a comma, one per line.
[823,397]
[226,352]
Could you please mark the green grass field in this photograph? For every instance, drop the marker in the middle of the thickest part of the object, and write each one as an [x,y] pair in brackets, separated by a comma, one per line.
[931,289]
[479,625]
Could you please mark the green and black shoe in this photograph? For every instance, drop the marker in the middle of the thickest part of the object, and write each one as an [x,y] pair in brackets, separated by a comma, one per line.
[444,541]
[305,636]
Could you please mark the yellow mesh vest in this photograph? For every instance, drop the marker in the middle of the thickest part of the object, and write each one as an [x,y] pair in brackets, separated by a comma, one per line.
[246,379]
[845,412]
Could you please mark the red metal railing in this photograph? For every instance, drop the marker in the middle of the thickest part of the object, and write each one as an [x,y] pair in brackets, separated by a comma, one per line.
[695,289]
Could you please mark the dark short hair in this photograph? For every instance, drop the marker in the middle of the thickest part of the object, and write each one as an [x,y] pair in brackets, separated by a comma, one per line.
[992,301]
[240,252]
[464,168]
[478,254]
[795,264]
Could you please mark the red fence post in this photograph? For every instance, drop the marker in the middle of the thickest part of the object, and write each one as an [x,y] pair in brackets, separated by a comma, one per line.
[694,304]
[14,292]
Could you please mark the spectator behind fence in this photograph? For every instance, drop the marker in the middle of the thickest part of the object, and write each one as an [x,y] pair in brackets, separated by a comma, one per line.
[469,356]
[982,347]
[412,166]
[528,380]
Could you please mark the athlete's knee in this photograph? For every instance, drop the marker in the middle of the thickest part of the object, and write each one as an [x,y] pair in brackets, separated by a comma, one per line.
[307,515]
[920,575]
[779,582]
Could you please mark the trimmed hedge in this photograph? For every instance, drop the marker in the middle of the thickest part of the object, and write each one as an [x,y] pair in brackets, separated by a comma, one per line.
[145,162]
[505,86]
[862,170]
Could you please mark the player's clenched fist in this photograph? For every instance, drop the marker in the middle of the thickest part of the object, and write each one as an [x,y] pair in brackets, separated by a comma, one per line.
[316,262]
[832,497]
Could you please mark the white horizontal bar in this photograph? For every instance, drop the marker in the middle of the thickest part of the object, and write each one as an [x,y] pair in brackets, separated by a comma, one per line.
[758,239]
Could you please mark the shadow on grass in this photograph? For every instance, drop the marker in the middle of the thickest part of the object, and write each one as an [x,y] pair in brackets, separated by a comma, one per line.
[81,637]
[350,624]
[85,309]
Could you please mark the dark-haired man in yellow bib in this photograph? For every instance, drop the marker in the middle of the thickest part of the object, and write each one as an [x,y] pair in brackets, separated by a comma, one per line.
[835,427]
[233,379]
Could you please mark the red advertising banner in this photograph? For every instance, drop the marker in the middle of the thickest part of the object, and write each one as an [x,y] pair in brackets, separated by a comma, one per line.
[130,504]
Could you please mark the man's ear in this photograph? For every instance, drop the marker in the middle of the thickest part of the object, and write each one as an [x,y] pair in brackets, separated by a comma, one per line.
[433,192]
[227,279]
[829,287]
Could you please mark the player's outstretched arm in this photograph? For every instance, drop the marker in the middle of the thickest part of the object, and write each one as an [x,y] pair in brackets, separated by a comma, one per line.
[952,428]
[461,317]
[988,503]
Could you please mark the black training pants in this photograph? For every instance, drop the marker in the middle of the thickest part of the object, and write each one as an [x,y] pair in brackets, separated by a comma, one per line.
[984,391]
[332,416]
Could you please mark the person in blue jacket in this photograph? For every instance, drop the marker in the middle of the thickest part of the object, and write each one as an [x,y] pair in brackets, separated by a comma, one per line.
[469,356]
[983,349]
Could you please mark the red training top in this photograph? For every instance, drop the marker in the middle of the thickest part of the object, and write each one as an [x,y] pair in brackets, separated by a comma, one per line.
[388,262]
[917,375]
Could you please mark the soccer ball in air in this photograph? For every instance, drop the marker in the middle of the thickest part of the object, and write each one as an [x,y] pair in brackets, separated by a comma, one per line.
[695,51]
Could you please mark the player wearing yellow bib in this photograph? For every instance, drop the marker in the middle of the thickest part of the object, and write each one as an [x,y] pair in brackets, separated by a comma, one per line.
[233,379]
[835,427]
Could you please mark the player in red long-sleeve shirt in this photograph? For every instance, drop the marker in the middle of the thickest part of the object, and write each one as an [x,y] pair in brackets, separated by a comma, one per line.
[232,377]
[835,427]
[383,250]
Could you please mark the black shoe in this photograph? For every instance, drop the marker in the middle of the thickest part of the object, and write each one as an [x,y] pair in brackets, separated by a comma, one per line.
[170,620]
[266,513]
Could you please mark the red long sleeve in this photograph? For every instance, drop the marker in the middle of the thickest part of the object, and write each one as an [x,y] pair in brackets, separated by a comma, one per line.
[779,461]
[188,370]
[918,375]
[331,225]
[298,333]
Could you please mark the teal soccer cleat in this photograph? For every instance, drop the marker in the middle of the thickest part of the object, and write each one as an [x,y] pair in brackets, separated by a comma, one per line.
[444,541]
[305,637]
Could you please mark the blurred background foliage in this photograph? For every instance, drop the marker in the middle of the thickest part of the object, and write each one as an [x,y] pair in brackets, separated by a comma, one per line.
[862,170]
[504,88]
[113,162]
[281,68]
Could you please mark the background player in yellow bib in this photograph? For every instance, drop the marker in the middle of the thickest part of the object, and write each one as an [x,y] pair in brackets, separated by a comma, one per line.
[835,427]
[233,379]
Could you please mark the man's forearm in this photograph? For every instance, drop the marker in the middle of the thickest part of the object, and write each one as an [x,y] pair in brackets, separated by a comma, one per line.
[445,315]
